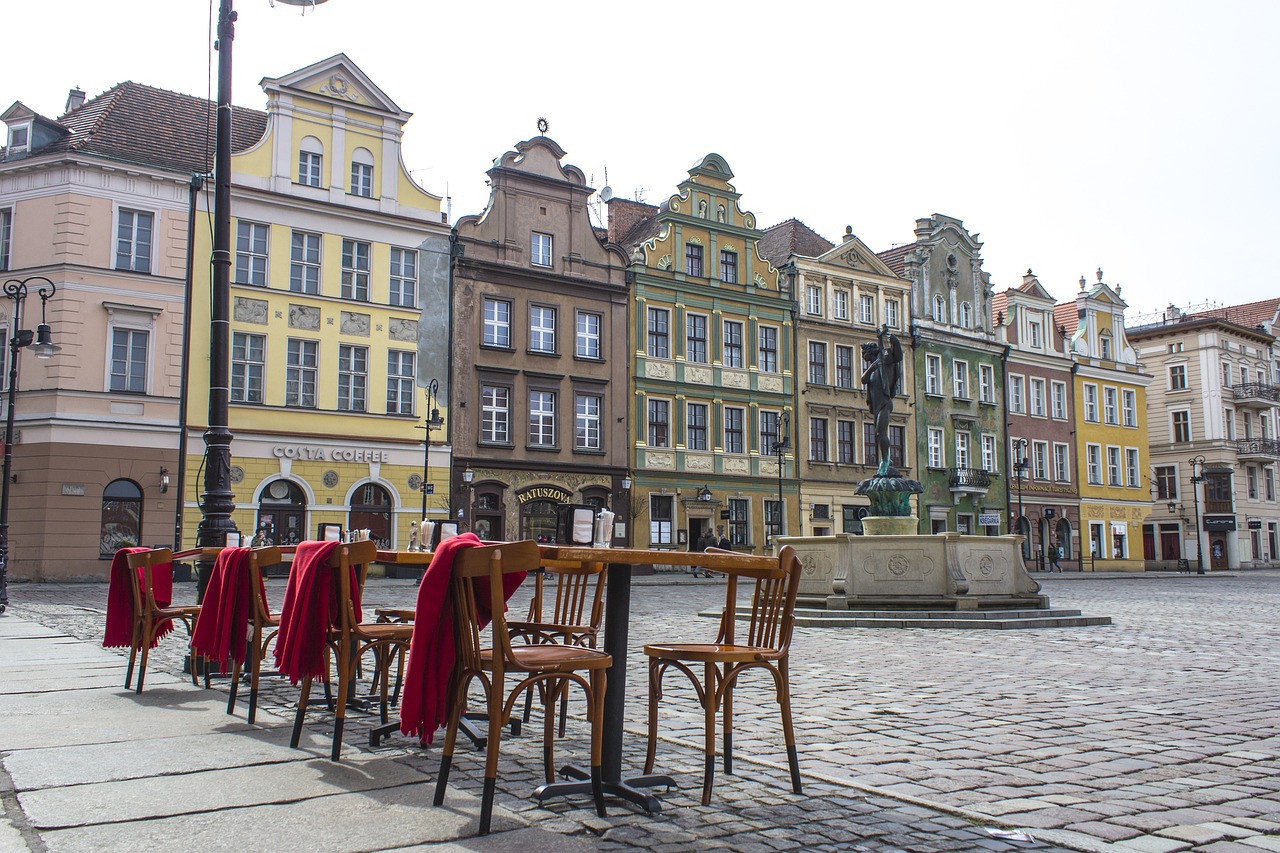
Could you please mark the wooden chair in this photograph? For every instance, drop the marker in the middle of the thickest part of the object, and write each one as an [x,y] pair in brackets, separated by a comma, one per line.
[261,621]
[148,617]
[575,586]
[551,663]
[351,639]
[766,646]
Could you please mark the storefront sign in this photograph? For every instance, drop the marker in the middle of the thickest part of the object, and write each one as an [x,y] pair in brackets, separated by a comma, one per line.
[545,493]
[308,452]
[1219,523]
[988,519]
[1255,524]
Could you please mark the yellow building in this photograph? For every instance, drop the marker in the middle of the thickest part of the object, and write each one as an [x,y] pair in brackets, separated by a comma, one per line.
[336,252]
[1111,430]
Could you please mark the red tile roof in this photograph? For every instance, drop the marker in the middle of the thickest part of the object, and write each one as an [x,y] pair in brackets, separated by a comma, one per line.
[1250,314]
[1067,315]
[999,305]
[894,258]
[792,237]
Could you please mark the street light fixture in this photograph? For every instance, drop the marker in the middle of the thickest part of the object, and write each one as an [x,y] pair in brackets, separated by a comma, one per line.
[1020,471]
[41,343]
[1197,462]
[433,422]
[781,446]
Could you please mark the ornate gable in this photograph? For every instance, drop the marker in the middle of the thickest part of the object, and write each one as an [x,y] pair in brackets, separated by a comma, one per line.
[337,79]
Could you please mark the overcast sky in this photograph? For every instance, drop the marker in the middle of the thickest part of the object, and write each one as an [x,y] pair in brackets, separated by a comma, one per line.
[1139,137]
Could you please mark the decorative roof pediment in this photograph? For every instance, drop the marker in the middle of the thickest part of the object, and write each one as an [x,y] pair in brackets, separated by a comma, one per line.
[541,156]
[338,79]
[855,255]
[1032,287]
[1104,293]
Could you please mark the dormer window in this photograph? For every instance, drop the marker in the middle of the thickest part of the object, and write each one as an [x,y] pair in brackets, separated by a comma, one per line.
[19,140]
[310,161]
[362,173]
[1034,337]
[1104,344]
[939,309]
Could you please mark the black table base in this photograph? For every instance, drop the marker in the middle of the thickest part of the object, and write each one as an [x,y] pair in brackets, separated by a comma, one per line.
[624,789]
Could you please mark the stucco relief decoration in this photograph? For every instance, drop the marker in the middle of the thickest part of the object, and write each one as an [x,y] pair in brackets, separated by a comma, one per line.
[664,263]
[414,482]
[355,324]
[760,282]
[330,478]
[399,329]
[852,259]
[697,463]
[700,375]
[304,317]
[338,87]
[250,311]
[660,460]
[659,370]
[749,220]
[986,567]
[237,474]
[736,465]
[733,379]
[674,204]
[899,565]
[771,383]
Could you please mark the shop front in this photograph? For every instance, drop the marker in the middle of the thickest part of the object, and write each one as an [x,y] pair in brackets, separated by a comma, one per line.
[505,504]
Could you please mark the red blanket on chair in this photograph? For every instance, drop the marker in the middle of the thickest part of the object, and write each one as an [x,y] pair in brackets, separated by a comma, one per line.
[223,624]
[310,607]
[120,615]
[424,704]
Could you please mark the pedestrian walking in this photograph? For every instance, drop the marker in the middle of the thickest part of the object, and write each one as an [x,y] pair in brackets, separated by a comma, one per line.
[1054,555]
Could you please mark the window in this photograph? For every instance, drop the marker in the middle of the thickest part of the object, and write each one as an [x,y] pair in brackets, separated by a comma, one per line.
[659,318]
[251,253]
[1091,403]
[1226,373]
[693,260]
[6,237]
[728,266]
[1093,463]
[300,373]
[497,323]
[814,302]
[355,270]
[248,360]
[844,367]
[1061,463]
[818,439]
[1059,391]
[936,457]
[1181,427]
[1177,377]
[304,262]
[1105,341]
[817,363]
[353,378]
[362,173]
[1037,397]
[588,341]
[1251,482]
[660,519]
[768,430]
[739,509]
[933,374]
[846,453]
[867,309]
[1175,347]
[772,519]
[540,249]
[1110,409]
[960,379]
[1229,421]
[133,241]
[734,430]
[962,450]
[1132,477]
[495,414]
[768,349]
[659,423]
[966,315]
[897,445]
[310,158]
[1113,466]
[986,383]
[542,329]
[1035,336]
[891,308]
[1017,402]
[400,393]
[404,278]
[129,360]
[1040,460]
[732,343]
[120,524]
[939,309]
[19,139]
[542,418]
[1269,490]
[586,428]
[1129,403]
[989,453]
[695,435]
[1166,482]
[695,326]
[840,305]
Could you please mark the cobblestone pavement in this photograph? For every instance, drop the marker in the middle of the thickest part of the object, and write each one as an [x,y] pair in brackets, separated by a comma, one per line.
[1159,733]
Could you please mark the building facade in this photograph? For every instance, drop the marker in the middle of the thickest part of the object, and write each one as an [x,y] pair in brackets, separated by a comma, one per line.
[959,380]
[540,355]
[1044,498]
[713,422]
[845,296]
[1213,409]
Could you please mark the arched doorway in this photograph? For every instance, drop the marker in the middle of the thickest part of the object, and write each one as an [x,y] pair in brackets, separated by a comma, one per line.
[488,512]
[282,513]
[371,510]
[538,520]
[121,522]
[1024,530]
[1064,539]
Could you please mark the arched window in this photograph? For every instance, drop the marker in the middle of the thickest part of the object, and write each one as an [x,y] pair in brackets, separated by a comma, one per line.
[371,510]
[1104,345]
[362,173]
[538,520]
[488,512]
[1024,530]
[121,525]
[282,513]
[939,309]
[966,315]
[1064,539]
[310,161]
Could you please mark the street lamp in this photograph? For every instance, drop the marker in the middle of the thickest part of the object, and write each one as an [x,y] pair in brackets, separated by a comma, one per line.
[1197,462]
[433,422]
[1020,471]
[780,446]
[41,343]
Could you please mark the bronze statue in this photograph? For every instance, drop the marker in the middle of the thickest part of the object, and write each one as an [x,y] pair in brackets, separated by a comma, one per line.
[880,377]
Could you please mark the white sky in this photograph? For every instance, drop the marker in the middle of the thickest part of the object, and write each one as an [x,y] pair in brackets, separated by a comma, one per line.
[1135,136]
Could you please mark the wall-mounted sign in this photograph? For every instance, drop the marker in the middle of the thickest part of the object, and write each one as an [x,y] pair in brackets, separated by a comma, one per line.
[990,519]
[1255,524]
[1219,523]
[308,452]
[76,489]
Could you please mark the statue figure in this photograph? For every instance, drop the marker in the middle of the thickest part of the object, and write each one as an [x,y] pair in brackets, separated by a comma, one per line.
[413,536]
[883,370]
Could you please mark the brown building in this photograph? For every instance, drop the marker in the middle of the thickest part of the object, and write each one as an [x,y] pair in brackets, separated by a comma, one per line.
[540,352]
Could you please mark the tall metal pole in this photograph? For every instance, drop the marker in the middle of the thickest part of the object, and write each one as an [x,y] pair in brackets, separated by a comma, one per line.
[1195,493]
[218,500]
[430,422]
[780,445]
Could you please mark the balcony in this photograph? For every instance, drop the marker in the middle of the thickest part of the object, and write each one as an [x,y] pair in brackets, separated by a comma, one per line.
[1258,449]
[1256,395]
[969,481]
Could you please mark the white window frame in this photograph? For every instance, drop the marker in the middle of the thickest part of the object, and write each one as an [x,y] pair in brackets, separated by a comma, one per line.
[311,162]
[1017,394]
[939,309]
[495,414]
[960,381]
[542,417]
[1090,394]
[891,314]
[127,375]
[496,324]
[6,238]
[401,391]
[1093,464]
[362,173]
[1059,392]
[933,374]
[541,249]
[1115,466]
[306,249]
[403,275]
[587,326]
[587,416]
[252,253]
[1061,462]
[966,315]
[1035,334]
[357,264]
[1129,408]
[937,452]
[1037,397]
[813,302]
[840,304]
[1040,460]
[301,373]
[867,309]
[986,383]
[1177,377]
[963,440]
[353,378]
[249,368]
[1132,468]
[542,328]
[140,257]
[988,452]
[1110,405]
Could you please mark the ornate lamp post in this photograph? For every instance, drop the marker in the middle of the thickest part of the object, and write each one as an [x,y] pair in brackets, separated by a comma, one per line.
[1020,471]
[781,446]
[1197,477]
[41,343]
[433,422]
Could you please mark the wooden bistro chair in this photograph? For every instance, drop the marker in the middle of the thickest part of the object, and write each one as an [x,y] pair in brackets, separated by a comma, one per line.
[149,618]
[766,645]
[351,639]
[261,621]
[567,607]
[553,663]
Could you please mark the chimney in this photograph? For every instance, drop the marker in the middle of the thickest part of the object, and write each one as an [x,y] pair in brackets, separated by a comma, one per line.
[75,100]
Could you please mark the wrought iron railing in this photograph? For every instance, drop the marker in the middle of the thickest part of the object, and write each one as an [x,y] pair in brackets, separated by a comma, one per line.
[1258,447]
[971,477]
[1261,390]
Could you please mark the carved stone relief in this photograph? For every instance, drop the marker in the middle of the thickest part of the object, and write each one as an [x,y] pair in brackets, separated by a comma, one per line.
[698,375]
[734,379]
[250,311]
[355,324]
[660,460]
[697,462]
[659,370]
[737,465]
[771,383]
[399,329]
[304,317]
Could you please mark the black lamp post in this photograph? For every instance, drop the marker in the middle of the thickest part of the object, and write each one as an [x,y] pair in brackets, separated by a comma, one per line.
[433,422]
[1197,462]
[41,342]
[1020,471]
[781,446]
